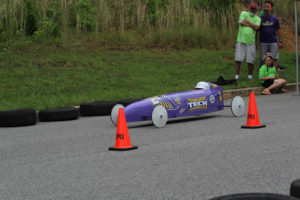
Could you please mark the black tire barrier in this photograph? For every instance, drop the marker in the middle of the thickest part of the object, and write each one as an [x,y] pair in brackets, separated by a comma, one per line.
[127,101]
[58,114]
[255,196]
[295,189]
[20,117]
[96,108]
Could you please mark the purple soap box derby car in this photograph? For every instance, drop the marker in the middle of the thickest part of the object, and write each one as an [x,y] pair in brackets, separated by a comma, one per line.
[205,98]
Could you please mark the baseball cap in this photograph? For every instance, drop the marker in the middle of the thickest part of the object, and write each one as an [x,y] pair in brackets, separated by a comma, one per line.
[267,6]
[268,54]
[253,5]
[270,2]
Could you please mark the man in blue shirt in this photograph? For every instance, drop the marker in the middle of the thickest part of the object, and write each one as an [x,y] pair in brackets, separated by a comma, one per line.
[270,35]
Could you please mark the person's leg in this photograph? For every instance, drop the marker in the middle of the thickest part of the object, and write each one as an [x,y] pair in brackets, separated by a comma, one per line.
[275,53]
[250,69]
[251,55]
[237,68]
[240,54]
[263,48]
[267,84]
[275,63]
[278,84]
[261,62]
[283,83]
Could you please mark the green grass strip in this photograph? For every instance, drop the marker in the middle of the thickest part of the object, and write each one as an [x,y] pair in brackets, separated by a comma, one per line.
[49,77]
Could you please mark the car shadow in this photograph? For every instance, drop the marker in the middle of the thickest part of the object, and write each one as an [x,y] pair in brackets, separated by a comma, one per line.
[170,121]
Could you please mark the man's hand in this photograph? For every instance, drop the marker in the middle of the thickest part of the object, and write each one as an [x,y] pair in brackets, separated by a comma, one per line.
[246,21]
[280,45]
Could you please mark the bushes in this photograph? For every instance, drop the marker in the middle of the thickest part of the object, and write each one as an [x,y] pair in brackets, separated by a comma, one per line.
[148,19]
[49,24]
[85,20]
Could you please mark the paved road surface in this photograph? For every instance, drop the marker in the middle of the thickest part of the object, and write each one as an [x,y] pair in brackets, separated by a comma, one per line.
[192,159]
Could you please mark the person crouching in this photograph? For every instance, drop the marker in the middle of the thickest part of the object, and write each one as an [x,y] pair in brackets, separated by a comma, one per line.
[269,77]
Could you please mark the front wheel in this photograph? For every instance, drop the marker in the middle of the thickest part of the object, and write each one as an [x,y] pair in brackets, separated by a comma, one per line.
[159,116]
[238,106]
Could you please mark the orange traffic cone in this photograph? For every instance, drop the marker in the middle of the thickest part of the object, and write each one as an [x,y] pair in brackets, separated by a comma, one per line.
[252,117]
[122,137]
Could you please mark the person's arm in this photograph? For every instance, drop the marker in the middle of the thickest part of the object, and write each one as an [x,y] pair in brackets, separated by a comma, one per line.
[279,36]
[263,74]
[242,18]
[266,78]
[278,32]
[257,39]
[250,24]
[276,76]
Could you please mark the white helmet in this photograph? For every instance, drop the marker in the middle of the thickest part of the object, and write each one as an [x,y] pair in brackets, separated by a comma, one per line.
[202,85]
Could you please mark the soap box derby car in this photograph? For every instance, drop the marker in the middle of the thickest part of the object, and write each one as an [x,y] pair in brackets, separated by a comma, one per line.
[205,98]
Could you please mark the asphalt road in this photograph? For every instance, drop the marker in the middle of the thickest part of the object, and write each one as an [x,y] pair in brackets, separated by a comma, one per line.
[190,159]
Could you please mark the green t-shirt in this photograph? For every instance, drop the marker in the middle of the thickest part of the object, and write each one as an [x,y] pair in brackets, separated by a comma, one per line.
[246,34]
[265,71]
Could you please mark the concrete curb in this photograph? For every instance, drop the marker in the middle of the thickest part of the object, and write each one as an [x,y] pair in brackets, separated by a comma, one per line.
[245,92]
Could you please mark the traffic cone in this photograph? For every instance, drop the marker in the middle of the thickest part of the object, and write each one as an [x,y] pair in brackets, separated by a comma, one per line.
[252,117]
[122,137]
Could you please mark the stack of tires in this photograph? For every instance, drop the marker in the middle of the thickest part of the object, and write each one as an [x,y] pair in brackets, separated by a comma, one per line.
[294,195]
[255,196]
[28,117]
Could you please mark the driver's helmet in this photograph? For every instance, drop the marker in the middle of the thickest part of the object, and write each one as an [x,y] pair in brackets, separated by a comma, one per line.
[202,85]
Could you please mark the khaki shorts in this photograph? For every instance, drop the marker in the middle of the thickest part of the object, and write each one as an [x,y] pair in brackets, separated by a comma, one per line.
[245,51]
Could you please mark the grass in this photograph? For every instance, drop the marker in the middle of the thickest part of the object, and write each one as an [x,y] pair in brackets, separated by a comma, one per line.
[39,77]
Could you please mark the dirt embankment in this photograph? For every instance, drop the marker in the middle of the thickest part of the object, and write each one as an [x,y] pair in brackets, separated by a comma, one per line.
[288,37]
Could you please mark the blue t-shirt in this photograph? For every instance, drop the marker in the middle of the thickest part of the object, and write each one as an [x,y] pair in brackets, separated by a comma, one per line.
[268,28]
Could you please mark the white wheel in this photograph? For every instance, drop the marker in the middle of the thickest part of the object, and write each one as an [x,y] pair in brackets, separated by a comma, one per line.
[115,113]
[238,106]
[159,116]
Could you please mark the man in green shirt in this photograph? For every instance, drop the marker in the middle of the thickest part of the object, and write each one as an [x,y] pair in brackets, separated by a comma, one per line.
[245,46]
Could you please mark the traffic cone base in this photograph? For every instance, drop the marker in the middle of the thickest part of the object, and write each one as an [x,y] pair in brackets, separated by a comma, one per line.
[253,127]
[122,137]
[122,149]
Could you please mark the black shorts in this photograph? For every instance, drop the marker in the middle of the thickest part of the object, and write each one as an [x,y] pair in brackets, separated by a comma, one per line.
[268,83]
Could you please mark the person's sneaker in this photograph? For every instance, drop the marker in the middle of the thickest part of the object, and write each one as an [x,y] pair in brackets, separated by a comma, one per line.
[281,69]
[284,90]
[266,92]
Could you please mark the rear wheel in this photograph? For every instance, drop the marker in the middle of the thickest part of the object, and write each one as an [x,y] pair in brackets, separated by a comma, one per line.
[159,116]
[115,113]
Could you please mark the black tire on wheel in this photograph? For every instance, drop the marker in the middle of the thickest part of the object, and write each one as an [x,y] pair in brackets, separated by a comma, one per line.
[97,108]
[20,117]
[295,188]
[58,114]
[255,196]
